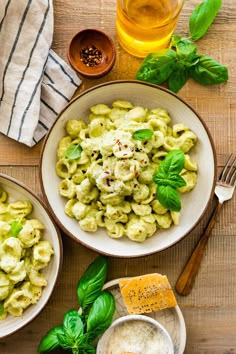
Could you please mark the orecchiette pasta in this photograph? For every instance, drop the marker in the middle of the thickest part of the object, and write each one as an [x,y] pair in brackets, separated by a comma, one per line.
[111,183]
[23,254]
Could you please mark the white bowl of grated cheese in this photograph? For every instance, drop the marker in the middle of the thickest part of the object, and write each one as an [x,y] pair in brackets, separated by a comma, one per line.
[135,334]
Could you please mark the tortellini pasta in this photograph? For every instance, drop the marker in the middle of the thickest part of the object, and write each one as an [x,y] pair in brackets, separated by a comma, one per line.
[111,183]
[23,254]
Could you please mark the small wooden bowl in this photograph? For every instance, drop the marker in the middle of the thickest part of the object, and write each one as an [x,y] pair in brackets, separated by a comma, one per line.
[91,52]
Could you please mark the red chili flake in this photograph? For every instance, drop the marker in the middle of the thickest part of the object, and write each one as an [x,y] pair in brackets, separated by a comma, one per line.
[108,182]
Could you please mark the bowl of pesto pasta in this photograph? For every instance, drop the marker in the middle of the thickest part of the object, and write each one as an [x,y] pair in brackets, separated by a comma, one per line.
[128,168]
[30,255]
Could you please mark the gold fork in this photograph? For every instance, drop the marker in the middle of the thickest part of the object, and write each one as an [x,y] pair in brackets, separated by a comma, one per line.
[224,190]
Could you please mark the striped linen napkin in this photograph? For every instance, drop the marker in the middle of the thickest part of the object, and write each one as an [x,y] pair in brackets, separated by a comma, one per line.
[35,83]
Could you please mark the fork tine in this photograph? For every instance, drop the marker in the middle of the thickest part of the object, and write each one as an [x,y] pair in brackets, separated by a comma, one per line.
[230,174]
[224,171]
[232,181]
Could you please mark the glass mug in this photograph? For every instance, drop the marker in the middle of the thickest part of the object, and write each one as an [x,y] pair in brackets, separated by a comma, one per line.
[145,26]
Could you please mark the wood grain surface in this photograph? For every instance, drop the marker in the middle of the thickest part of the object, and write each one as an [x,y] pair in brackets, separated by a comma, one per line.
[210,309]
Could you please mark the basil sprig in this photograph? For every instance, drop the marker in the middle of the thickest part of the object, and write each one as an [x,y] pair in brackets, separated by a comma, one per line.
[80,328]
[168,180]
[142,134]
[181,61]
[73,152]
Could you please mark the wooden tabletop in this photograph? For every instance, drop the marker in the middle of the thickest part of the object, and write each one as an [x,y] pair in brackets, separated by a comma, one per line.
[210,309]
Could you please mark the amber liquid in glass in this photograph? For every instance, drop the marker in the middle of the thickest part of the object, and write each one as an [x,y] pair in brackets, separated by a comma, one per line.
[145,26]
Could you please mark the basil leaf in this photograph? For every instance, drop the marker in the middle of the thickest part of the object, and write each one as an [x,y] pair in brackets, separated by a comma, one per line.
[169,197]
[159,177]
[157,67]
[186,49]
[176,181]
[142,134]
[178,79]
[173,180]
[173,162]
[92,281]
[65,340]
[101,314]
[16,228]
[208,72]
[202,17]
[50,340]
[73,152]
[73,325]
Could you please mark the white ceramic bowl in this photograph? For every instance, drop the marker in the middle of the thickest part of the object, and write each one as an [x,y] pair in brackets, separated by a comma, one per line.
[136,333]
[193,204]
[17,191]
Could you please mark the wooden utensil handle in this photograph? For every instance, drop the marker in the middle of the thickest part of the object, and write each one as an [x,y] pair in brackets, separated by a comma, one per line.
[186,279]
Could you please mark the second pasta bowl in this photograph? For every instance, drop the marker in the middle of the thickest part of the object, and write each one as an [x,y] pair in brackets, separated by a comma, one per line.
[30,256]
[100,168]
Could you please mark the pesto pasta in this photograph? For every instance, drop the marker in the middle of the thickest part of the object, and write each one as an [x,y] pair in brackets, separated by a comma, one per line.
[109,181]
[23,255]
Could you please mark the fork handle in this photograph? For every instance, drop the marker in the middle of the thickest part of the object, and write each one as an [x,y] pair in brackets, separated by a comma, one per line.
[186,279]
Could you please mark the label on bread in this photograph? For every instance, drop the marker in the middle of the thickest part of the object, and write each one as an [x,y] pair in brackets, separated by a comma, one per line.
[147,293]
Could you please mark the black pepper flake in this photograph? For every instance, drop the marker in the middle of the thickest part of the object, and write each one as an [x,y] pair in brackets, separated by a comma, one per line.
[91,56]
